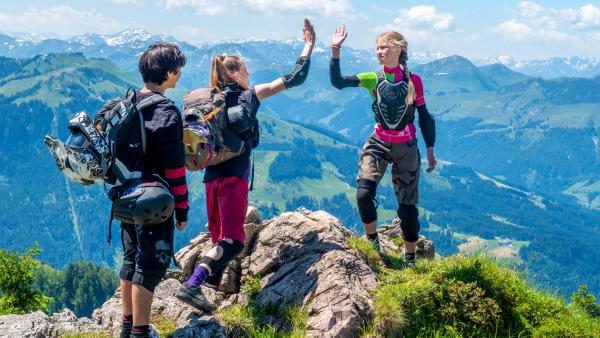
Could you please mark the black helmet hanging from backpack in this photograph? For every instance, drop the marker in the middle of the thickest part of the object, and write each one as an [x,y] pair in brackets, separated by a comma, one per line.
[144,203]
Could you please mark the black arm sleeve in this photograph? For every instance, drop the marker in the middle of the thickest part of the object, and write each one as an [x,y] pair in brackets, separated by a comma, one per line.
[336,78]
[298,74]
[427,125]
[172,157]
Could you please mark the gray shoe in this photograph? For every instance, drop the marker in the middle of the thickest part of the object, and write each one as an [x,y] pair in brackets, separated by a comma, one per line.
[153,332]
[194,297]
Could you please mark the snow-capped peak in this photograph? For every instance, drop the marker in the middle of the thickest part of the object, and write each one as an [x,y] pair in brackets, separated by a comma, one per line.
[127,36]
[32,37]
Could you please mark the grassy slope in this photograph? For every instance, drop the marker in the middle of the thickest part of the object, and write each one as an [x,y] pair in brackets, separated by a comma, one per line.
[468,296]
[47,77]
[457,296]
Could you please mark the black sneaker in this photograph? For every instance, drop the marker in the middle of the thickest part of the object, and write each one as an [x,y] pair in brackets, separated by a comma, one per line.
[194,297]
[214,281]
[410,261]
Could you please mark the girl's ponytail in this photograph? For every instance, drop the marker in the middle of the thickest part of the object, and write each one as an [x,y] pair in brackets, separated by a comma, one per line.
[222,69]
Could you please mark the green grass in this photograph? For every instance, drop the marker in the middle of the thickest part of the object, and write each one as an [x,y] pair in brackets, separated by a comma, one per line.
[238,320]
[470,297]
[280,192]
[252,319]
[85,335]
[251,286]
[165,326]
[588,193]
[365,250]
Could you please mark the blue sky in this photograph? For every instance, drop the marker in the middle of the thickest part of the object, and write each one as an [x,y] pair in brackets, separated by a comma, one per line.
[523,29]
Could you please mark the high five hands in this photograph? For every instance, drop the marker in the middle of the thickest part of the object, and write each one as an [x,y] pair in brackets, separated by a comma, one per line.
[308,32]
[339,36]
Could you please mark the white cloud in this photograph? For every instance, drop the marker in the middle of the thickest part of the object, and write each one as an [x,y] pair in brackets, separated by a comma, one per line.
[189,34]
[513,30]
[588,17]
[537,23]
[62,20]
[328,8]
[127,2]
[420,22]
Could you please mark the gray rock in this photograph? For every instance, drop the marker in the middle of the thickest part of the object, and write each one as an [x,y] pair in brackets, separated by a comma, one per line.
[389,241]
[67,322]
[32,325]
[164,305]
[302,259]
[252,215]
[305,261]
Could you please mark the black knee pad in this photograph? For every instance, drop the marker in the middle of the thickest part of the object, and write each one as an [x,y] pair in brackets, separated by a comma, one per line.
[229,252]
[409,222]
[366,191]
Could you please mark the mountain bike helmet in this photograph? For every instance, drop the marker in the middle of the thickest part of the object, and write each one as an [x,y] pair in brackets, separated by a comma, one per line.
[83,158]
[144,203]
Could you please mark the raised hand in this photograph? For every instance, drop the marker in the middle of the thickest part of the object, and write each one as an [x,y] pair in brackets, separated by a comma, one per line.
[339,36]
[308,32]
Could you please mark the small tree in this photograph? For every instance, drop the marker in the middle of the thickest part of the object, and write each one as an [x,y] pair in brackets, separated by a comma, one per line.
[586,302]
[17,294]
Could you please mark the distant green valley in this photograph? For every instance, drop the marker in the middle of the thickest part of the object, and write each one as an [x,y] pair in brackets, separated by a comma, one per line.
[498,189]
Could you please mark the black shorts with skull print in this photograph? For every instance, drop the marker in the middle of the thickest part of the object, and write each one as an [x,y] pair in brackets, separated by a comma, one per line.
[147,252]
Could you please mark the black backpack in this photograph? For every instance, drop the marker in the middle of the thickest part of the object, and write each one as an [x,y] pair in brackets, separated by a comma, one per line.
[122,123]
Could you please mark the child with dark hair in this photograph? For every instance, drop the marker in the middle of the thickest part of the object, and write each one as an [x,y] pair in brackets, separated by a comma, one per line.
[147,250]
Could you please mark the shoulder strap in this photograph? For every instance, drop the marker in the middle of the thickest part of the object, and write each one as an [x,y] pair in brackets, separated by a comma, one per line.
[214,112]
[147,102]
[151,100]
[381,77]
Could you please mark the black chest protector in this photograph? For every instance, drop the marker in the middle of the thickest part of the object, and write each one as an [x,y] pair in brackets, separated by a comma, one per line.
[390,107]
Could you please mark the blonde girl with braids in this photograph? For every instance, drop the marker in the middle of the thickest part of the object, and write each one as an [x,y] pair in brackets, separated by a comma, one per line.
[227,183]
[396,93]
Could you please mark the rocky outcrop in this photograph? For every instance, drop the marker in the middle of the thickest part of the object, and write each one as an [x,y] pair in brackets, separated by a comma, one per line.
[301,259]
[33,325]
[391,236]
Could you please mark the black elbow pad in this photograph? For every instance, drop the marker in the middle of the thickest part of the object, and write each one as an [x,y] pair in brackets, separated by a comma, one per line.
[298,74]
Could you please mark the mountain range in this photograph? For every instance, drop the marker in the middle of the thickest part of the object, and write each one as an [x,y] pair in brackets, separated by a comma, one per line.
[520,155]
[111,46]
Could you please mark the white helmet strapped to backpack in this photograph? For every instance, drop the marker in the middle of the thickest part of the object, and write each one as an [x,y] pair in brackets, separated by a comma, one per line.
[84,157]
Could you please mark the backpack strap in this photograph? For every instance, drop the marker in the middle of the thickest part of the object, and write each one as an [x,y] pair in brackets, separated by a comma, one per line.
[214,112]
[147,102]
[380,76]
[151,100]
